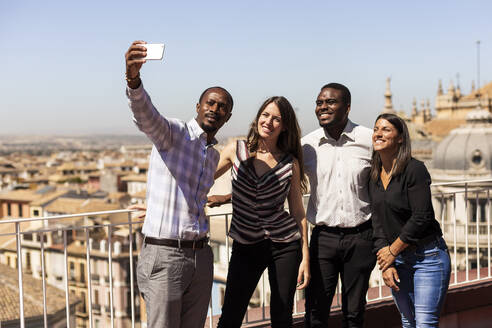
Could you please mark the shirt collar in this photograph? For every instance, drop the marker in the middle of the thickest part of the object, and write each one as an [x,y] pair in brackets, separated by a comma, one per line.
[196,131]
[348,131]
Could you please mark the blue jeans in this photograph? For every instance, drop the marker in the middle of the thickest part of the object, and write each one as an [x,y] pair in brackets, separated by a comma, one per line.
[424,278]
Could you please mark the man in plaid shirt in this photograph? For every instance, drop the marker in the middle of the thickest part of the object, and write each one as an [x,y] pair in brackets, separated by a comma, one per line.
[175,268]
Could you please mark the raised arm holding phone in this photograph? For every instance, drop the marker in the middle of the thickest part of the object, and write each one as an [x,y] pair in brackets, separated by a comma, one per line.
[175,266]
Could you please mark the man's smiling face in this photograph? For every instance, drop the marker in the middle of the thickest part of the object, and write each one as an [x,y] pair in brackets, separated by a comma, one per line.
[331,109]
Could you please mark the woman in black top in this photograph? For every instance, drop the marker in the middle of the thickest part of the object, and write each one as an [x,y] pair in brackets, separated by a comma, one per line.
[411,252]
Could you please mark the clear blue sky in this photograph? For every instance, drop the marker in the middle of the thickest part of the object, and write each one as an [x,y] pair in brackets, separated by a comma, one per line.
[63,65]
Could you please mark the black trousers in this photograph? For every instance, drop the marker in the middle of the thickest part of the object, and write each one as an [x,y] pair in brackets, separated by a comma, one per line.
[340,252]
[245,268]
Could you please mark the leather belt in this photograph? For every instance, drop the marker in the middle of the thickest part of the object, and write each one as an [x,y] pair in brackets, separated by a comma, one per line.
[346,231]
[177,243]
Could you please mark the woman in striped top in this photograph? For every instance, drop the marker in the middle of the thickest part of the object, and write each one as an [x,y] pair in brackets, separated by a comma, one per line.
[266,170]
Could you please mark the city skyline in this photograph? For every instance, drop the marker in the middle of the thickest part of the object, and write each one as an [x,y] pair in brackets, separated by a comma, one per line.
[65,65]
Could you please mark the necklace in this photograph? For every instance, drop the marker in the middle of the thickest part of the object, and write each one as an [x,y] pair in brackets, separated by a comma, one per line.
[268,152]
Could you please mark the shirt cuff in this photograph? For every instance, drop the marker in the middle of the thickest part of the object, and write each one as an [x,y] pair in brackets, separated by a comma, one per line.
[135,94]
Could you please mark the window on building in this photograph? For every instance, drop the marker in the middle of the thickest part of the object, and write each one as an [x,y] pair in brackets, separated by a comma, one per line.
[9,209]
[83,307]
[482,206]
[72,270]
[35,212]
[96,296]
[28,261]
[8,260]
[20,210]
[82,272]
[129,303]
[108,306]
[38,237]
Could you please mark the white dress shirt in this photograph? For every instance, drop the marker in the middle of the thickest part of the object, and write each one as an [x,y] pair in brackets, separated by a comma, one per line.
[338,172]
[181,172]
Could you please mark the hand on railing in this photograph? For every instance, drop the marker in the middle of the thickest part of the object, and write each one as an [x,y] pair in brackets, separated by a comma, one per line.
[142,209]
[217,200]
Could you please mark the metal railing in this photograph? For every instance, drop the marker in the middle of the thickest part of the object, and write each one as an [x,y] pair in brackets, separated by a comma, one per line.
[67,276]
[457,232]
[469,243]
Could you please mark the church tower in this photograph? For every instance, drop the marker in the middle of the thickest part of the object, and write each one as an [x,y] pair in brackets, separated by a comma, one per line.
[388,104]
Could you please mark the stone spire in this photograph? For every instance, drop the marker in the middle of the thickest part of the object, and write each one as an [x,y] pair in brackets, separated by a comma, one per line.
[427,112]
[451,90]
[439,88]
[388,104]
[458,91]
[473,87]
[415,112]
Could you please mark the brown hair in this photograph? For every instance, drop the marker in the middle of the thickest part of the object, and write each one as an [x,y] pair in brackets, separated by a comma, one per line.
[289,140]
[404,151]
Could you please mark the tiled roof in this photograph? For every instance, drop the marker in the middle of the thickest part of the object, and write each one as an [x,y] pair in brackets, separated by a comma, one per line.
[33,296]
[73,206]
[20,195]
[439,128]
[485,90]
[48,198]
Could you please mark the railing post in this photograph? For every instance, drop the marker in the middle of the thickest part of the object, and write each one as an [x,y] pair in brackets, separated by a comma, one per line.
[89,278]
[455,236]
[210,318]
[19,271]
[65,255]
[442,211]
[466,235]
[488,231]
[132,291]
[263,296]
[227,239]
[477,234]
[43,270]
[110,272]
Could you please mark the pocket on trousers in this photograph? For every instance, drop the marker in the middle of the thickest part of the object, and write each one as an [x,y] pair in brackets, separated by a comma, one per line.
[168,264]
[146,261]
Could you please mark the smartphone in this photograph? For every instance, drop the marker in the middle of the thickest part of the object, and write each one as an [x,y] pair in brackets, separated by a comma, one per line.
[155,51]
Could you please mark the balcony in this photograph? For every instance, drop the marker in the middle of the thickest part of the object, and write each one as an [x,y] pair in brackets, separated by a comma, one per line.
[469,242]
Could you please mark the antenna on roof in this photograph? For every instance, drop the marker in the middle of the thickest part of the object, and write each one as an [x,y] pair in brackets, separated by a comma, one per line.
[478,70]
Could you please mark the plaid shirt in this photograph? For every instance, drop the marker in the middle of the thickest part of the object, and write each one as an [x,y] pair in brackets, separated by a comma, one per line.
[181,172]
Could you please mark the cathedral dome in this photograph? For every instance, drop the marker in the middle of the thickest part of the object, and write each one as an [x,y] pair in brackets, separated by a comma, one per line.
[467,149]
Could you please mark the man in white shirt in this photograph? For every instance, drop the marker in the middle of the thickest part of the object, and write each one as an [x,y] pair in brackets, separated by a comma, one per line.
[337,161]
[175,267]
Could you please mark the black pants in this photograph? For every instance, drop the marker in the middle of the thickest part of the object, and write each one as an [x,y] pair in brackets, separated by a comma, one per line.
[338,252]
[245,268]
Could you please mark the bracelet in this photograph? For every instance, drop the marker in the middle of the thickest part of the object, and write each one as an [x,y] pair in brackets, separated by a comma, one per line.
[389,249]
[131,79]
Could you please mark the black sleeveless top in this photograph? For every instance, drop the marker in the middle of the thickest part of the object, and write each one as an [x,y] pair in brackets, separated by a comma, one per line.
[258,201]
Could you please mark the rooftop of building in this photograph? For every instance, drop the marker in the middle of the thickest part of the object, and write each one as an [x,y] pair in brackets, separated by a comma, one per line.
[33,296]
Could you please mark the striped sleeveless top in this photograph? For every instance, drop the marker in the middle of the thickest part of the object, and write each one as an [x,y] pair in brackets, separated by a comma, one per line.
[258,202]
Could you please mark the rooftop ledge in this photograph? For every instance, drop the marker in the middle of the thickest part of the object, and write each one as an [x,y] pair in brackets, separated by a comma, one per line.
[467,305]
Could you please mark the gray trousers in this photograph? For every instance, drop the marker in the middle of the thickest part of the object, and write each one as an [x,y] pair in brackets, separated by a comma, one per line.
[175,284]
